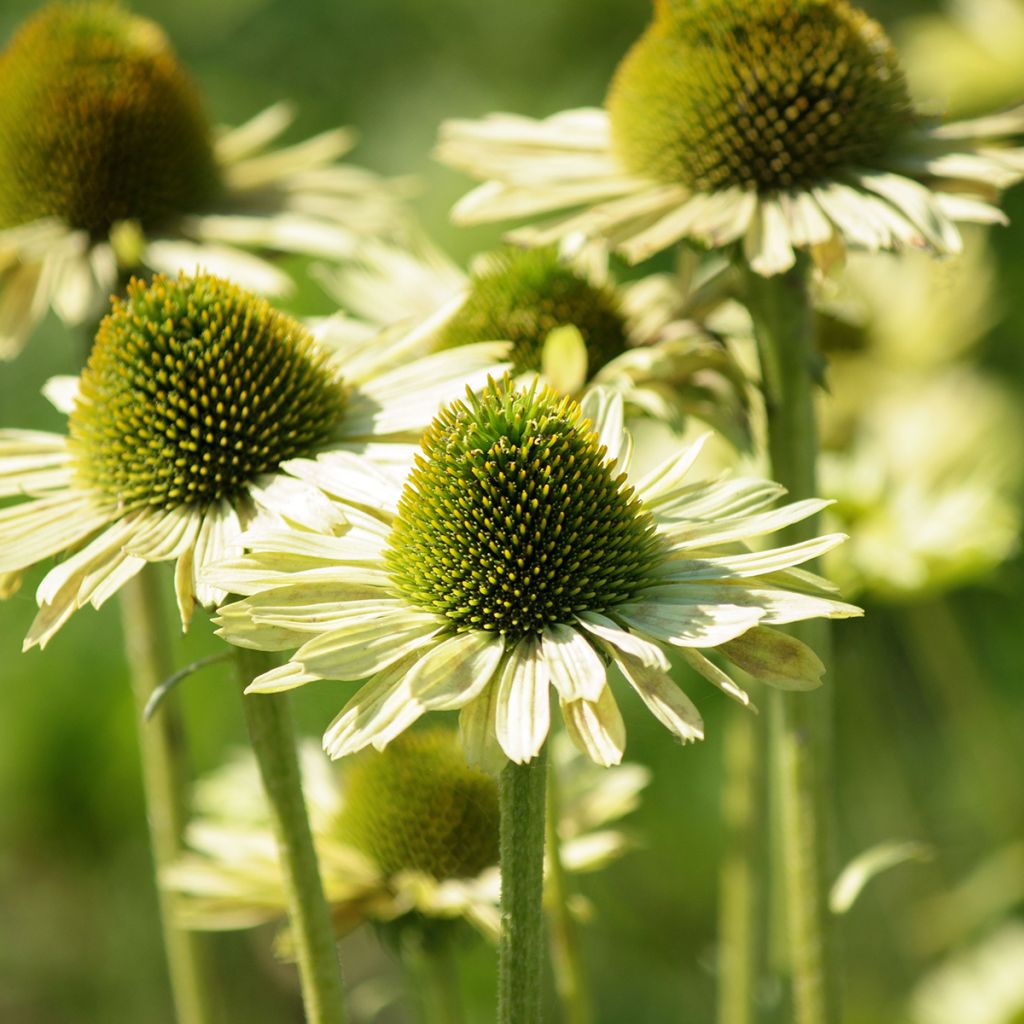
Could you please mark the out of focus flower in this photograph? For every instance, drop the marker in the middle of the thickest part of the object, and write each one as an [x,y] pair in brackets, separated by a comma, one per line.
[927,483]
[968,56]
[517,557]
[108,166]
[779,124]
[201,408]
[567,319]
[983,984]
[923,450]
[410,831]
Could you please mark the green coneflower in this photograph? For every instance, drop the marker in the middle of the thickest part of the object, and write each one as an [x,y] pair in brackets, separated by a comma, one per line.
[411,830]
[567,318]
[108,165]
[782,125]
[201,409]
[516,556]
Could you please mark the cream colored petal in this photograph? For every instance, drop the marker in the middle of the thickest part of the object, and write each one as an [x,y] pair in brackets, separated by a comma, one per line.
[704,533]
[664,699]
[808,225]
[374,706]
[704,623]
[178,256]
[667,478]
[217,539]
[62,393]
[21,307]
[596,728]
[408,398]
[477,729]
[346,476]
[298,502]
[917,203]
[777,606]
[777,658]
[714,675]
[734,496]
[450,675]
[37,529]
[754,563]
[563,360]
[251,136]
[166,535]
[523,704]
[612,634]
[605,411]
[281,678]
[367,645]
[767,245]
[573,666]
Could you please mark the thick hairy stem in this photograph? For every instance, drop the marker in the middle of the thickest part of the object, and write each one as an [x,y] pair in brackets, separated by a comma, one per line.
[164,777]
[272,734]
[521,960]
[799,724]
[741,896]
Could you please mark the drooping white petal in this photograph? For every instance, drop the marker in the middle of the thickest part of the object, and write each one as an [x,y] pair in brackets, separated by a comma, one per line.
[664,699]
[573,666]
[714,675]
[523,709]
[596,728]
[777,658]
[604,409]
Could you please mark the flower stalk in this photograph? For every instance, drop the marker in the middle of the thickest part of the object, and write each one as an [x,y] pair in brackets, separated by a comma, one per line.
[521,959]
[162,753]
[429,960]
[567,956]
[799,724]
[741,880]
[272,734]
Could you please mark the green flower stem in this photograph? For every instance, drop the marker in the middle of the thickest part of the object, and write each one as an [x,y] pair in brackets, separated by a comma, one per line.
[799,724]
[566,954]
[272,734]
[977,726]
[521,960]
[164,775]
[741,879]
[429,960]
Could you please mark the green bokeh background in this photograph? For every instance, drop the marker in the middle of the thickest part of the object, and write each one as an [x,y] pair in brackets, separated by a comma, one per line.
[78,932]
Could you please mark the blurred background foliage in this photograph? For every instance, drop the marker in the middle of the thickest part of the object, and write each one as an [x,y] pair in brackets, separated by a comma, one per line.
[930,710]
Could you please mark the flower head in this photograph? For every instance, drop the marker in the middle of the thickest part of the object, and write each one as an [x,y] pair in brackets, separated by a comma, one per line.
[108,166]
[409,831]
[765,94]
[201,410]
[100,123]
[568,320]
[782,125]
[194,389]
[516,556]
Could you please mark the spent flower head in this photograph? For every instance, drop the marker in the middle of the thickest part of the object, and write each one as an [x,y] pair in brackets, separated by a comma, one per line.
[779,124]
[201,409]
[517,556]
[408,834]
[109,165]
